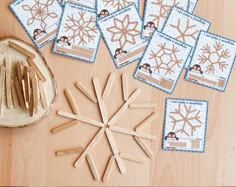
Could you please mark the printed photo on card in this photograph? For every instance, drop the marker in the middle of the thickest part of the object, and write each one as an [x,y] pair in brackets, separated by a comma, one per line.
[185,27]
[40,19]
[122,33]
[88,3]
[107,7]
[78,34]
[192,5]
[163,62]
[212,61]
[156,13]
[185,125]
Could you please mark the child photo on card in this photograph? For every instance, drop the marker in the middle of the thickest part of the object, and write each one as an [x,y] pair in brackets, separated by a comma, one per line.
[122,33]
[87,3]
[78,35]
[163,62]
[107,7]
[185,27]
[212,61]
[156,13]
[185,125]
[40,19]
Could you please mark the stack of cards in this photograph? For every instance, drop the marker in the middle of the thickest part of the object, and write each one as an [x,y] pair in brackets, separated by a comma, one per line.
[168,38]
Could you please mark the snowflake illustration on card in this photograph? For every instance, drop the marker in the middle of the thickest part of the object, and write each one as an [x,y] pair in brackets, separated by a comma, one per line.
[78,35]
[40,18]
[107,7]
[87,3]
[122,33]
[212,61]
[163,62]
[185,125]
[156,13]
[185,27]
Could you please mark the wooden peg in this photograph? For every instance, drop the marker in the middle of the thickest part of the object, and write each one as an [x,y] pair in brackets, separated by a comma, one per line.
[2,81]
[71,101]
[65,152]
[125,86]
[42,95]
[108,86]
[35,95]
[8,82]
[85,91]
[14,94]
[93,168]
[64,126]
[147,121]
[19,71]
[19,94]
[143,105]
[21,49]
[110,164]
[36,69]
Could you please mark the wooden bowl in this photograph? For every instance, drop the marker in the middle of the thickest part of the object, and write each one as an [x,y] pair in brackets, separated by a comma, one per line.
[17,117]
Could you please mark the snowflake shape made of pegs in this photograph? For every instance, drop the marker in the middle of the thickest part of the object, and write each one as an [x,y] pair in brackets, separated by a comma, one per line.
[107,127]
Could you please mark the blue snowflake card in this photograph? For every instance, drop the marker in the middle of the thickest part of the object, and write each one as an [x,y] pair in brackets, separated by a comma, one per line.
[122,33]
[78,34]
[192,5]
[163,62]
[87,3]
[185,125]
[212,61]
[106,7]
[40,19]
[185,27]
[156,13]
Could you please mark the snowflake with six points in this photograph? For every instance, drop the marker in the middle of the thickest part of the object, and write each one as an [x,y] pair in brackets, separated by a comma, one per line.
[83,30]
[124,31]
[40,12]
[107,126]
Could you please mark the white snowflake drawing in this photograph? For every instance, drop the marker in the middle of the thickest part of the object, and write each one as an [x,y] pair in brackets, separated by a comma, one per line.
[214,57]
[108,126]
[185,119]
[166,59]
[40,11]
[117,4]
[82,29]
[124,31]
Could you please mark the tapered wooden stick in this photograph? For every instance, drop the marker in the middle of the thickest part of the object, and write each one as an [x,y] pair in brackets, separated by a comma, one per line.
[131,132]
[65,152]
[107,173]
[143,105]
[35,95]
[8,82]
[31,103]
[2,81]
[26,83]
[64,126]
[19,94]
[147,121]
[71,101]
[131,158]
[100,100]
[125,86]
[80,118]
[115,151]
[14,94]
[85,91]
[108,86]
[124,107]
[93,168]
[22,49]
[144,147]
[19,71]
[89,148]
[36,69]
[42,95]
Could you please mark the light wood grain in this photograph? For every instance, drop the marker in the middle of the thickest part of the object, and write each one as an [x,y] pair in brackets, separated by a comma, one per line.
[27,154]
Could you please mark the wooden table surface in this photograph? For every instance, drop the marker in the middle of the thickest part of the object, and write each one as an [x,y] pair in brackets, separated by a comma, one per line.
[27,154]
